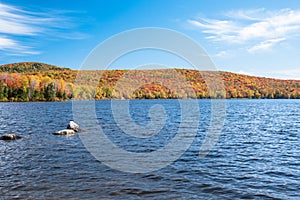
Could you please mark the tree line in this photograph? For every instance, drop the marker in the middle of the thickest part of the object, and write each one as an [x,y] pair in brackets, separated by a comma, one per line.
[41,82]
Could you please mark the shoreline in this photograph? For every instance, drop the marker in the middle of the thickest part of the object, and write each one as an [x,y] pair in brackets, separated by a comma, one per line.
[147,99]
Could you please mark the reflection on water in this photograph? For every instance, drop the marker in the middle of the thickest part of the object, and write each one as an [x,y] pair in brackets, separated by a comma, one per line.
[257,156]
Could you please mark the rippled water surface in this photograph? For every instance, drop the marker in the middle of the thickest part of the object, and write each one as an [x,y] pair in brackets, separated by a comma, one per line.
[257,155]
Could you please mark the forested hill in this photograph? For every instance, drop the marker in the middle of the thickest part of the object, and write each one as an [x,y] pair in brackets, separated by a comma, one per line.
[31,81]
[24,67]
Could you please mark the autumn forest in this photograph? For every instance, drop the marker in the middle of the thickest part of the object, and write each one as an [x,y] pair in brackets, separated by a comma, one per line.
[30,81]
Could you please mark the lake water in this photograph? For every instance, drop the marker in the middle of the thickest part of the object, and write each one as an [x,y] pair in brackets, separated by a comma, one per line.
[257,155]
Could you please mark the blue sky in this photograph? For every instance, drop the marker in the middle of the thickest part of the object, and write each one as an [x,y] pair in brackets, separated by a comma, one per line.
[256,37]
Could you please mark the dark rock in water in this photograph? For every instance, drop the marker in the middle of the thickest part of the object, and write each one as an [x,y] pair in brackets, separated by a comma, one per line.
[10,137]
[73,126]
[64,132]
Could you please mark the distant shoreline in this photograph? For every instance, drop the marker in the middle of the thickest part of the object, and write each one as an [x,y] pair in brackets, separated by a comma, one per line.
[38,82]
[139,100]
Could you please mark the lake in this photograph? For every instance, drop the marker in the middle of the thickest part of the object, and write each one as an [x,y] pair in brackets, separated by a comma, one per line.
[257,155]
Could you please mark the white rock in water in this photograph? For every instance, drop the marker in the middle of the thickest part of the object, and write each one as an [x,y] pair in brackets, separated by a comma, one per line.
[65,132]
[73,126]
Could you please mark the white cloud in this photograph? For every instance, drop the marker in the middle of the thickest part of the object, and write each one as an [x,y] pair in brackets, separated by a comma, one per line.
[18,24]
[216,29]
[222,54]
[6,43]
[259,27]
[265,45]
[244,72]
[287,74]
[246,14]
[14,48]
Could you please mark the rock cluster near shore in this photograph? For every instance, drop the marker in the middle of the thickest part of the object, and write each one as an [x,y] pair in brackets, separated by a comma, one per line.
[72,128]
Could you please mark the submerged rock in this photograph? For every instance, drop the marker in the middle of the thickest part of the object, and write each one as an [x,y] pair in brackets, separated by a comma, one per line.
[64,132]
[10,137]
[73,126]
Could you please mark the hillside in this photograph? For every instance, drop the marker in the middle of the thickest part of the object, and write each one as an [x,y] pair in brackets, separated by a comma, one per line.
[30,81]
[25,67]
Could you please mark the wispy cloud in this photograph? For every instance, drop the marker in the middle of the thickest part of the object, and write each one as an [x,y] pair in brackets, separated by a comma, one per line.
[244,72]
[260,28]
[18,24]
[6,43]
[287,74]
[222,54]
[265,45]
[216,29]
